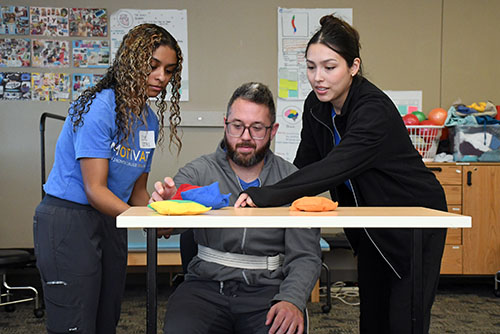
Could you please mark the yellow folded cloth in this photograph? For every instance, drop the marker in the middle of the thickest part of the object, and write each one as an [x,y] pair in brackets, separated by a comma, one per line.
[478,106]
[178,207]
[314,204]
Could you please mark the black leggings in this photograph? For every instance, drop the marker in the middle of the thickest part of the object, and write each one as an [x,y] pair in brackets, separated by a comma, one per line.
[386,299]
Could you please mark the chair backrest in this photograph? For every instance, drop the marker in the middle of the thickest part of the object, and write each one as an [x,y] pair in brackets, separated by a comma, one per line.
[137,242]
[43,118]
[306,321]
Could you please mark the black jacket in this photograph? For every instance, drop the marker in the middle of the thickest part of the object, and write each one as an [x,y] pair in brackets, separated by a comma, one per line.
[375,153]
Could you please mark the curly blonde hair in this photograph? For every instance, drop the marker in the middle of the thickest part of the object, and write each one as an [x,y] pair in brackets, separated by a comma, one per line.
[128,78]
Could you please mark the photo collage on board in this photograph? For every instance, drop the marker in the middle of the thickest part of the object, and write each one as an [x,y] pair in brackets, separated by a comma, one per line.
[43,41]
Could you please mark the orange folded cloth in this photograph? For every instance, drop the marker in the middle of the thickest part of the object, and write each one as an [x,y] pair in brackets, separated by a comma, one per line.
[313,204]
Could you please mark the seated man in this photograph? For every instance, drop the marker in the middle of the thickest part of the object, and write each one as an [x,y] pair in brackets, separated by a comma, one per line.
[228,287]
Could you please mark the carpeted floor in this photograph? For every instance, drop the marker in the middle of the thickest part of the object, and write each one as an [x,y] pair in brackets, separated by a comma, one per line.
[462,306]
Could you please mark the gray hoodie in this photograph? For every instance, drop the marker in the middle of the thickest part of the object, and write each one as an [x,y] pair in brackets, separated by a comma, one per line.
[302,253]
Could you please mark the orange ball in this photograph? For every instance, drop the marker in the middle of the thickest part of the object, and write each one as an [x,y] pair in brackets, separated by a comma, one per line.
[437,116]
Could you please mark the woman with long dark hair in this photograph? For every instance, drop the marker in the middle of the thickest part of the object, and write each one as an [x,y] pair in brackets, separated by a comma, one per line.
[355,144]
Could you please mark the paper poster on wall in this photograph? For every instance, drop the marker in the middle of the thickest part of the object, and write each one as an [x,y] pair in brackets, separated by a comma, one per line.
[50,53]
[82,81]
[90,53]
[407,101]
[289,117]
[88,22]
[174,21]
[15,52]
[15,86]
[295,27]
[50,86]
[49,21]
[14,20]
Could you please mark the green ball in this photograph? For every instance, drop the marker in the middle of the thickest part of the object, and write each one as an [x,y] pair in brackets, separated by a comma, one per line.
[420,115]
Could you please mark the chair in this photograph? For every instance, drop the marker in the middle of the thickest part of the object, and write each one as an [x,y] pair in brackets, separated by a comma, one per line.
[325,247]
[11,259]
[16,258]
[339,264]
[43,118]
[168,252]
[306,321]
[497,284]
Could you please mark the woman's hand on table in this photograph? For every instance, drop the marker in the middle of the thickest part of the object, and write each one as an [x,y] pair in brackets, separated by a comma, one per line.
[243,201]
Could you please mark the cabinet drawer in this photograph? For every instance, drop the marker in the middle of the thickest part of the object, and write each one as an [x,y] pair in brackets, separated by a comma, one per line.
[454,236]
[453,194]
[455,209]
[452,260]
[447,174]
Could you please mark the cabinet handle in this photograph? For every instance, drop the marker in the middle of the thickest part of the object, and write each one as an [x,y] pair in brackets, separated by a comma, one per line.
[469,178]
[436,169]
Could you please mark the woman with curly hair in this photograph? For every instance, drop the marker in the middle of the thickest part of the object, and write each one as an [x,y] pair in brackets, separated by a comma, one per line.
[102,160]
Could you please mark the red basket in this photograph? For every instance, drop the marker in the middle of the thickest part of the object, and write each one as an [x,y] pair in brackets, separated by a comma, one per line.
[425,138]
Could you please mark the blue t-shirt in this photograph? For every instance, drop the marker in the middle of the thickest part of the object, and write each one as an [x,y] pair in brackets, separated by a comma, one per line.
[246,185]
[97,138]
[337,139]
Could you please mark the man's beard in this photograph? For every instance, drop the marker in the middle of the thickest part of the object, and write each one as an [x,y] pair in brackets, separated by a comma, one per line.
[246,160]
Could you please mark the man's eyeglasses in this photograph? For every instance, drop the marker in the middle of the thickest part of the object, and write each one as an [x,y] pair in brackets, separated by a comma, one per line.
[256,130]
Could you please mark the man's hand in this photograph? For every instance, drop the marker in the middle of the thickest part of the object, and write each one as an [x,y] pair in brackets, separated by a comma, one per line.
[163,191]
[164,232]
[285,318]
[244,200]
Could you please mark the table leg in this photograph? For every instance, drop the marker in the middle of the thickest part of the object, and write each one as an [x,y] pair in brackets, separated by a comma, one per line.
[418,286]
[151,306]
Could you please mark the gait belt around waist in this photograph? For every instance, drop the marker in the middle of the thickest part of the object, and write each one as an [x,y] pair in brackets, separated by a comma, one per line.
[242,261]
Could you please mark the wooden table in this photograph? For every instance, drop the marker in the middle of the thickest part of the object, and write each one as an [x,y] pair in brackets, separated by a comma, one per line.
[229,217]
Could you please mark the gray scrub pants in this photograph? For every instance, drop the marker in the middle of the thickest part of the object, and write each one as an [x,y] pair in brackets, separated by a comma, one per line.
[82,259]
[208,307]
